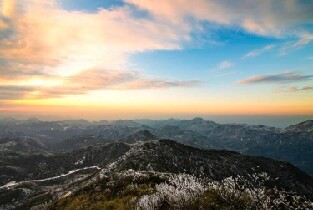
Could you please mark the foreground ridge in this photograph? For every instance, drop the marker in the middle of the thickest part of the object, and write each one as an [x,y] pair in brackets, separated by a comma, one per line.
[162,174]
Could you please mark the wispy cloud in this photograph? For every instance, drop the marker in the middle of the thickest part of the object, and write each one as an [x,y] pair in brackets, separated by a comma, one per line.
[38,38]
[307,88]
[97,79]
[48,57]
[305,38]
[225,64]
[61,44]
[276,78]
[85,82]
[259,17]
[14,92]
[258,52]
[252,16]
[59,39]
[226,74]
[310,57]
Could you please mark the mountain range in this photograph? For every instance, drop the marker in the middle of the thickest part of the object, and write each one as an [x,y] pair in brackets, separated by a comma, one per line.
[104,174]
[293,144]
[170,164]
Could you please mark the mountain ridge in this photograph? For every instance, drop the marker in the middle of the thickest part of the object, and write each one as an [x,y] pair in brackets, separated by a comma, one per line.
[293,144]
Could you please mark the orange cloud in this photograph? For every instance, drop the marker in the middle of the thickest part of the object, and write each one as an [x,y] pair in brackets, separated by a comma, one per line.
[49,52]
[259,17]
[65,42]
[38,87]
[42,43]
[104,38]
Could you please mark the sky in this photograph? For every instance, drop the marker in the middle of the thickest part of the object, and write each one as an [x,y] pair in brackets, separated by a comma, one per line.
[124,59]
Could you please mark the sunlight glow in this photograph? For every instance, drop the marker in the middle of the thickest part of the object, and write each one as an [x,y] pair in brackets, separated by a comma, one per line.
[40,82]
[158,57]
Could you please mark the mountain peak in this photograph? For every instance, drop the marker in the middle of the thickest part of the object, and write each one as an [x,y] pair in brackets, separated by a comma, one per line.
[305,126]
[198,119]
[142,135]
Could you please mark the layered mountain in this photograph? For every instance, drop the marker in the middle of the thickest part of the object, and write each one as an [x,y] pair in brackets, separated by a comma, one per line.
[293,144]
[77,142]
[160,174]
[23,145]
[15,166]
[142,135]
[306,126]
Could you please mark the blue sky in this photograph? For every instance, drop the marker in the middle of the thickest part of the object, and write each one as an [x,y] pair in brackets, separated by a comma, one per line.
[200,57]
[180,57]
[89,5]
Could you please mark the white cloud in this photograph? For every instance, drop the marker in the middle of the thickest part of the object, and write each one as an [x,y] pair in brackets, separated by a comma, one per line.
[284,19]
[106,38]
[225,65]
[39,39]
[73,41]
[72,52]
[269,17]
[258,52]
[305,38]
